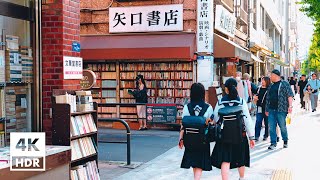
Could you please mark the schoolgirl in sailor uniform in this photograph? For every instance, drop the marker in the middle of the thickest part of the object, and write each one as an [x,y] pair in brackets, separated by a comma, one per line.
[228,156]
[199,160]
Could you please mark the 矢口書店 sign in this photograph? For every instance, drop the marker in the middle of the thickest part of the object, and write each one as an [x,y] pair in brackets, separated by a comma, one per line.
[72,67]
[146,18]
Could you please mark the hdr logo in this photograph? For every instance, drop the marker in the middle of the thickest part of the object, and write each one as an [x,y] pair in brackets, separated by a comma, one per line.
[27,151]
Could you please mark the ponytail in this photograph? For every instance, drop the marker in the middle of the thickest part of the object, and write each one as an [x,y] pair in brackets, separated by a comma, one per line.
[231,84]
[233,93]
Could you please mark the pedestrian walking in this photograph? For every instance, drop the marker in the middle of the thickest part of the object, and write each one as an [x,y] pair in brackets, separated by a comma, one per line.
[240,85]
[293,83]
[301,85]
[140,94]
[198,159]
[306,97]
[225,155]
[278,105]
[315,85]
[260,100]
[247,89]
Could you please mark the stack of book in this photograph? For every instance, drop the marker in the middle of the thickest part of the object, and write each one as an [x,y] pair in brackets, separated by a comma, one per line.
[13,59]
[27,63]
[82,125]
[2,104]
[84,101]
[87,171]
[16,109]
[2,140]
[67,99]
[82,147]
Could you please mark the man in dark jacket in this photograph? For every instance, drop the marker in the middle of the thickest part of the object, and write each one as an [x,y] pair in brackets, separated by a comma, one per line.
[278,105]
[301,85]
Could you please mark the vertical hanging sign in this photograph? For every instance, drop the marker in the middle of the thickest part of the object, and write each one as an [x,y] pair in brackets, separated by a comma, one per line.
[205,26]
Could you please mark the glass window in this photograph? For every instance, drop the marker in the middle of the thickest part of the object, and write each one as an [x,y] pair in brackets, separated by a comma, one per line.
[16,76]
[19,2]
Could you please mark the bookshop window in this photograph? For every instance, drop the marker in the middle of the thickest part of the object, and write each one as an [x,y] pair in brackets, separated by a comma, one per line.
[19,2]
[16,77]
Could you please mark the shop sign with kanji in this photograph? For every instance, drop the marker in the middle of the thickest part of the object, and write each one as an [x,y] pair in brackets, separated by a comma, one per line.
[225,21]
[205,26]
[146,18]
[72,67]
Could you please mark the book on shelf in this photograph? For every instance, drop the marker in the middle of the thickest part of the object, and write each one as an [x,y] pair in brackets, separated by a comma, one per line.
[2,103]
[128,101]
[109,100]
[107,109]
[128,84]
[87,171]
[165,100]
[2,139]
[127,75]
[108,75]
[108,83]
[82,147]
[67,99]
[109,93]
[82,125]
[182,93]
[83,93]
[128,109]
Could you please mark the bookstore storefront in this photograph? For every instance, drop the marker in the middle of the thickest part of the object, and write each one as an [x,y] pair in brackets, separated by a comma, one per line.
[165,60]
[19,55]
[229,57]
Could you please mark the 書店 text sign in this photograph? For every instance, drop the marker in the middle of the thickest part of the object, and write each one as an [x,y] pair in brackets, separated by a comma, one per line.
[146,18]
[205,26]
[72,67]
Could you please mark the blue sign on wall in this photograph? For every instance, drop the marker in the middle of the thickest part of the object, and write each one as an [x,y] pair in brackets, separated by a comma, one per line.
[76,46]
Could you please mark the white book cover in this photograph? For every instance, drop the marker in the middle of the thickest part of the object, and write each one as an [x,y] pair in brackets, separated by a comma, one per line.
[85,123]
[80,124]
[83,148]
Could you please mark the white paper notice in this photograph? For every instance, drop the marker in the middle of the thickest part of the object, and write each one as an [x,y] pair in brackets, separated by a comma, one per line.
[205,70]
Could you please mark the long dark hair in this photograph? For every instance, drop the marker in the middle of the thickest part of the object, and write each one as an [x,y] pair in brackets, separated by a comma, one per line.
[197,92]
[231,85]
[142,80]
[267,80]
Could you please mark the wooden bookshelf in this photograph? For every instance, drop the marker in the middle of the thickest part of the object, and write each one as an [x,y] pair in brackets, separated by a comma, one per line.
[168,82]
[78,130]
[61,127]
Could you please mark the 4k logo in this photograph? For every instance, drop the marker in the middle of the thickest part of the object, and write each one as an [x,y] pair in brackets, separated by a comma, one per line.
[27,151]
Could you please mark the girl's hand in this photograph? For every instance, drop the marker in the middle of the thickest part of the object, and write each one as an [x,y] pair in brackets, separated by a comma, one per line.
[252,143]
[208,121]
[180,143]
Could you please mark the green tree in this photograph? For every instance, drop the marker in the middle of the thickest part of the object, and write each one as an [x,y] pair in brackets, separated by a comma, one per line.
[312,9]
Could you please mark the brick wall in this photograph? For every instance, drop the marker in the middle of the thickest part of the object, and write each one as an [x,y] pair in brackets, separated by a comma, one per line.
[95,20]
[60,27]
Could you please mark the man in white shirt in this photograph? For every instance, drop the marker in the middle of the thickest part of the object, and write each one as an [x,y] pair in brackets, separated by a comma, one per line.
[315,86]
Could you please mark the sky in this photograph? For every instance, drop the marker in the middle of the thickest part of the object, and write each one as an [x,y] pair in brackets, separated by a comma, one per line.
[305,31]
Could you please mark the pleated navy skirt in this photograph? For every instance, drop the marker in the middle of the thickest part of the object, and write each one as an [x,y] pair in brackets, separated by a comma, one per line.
[237,155]
[197,159]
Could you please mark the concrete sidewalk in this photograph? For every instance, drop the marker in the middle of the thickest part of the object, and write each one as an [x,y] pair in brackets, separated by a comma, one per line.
[301,158]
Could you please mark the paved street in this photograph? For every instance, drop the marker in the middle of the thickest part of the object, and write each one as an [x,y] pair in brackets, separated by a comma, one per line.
[301,158]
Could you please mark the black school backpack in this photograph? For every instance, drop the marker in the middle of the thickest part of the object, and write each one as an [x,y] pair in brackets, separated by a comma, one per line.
[195,129]
[231,118]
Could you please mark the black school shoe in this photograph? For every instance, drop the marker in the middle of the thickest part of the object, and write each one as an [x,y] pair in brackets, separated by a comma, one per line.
[285,144]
